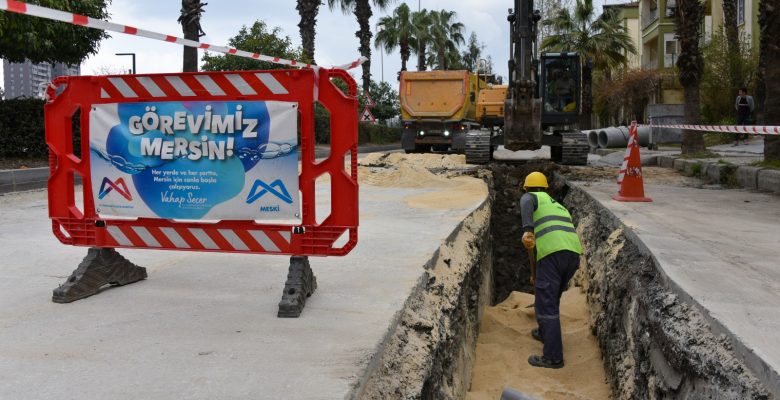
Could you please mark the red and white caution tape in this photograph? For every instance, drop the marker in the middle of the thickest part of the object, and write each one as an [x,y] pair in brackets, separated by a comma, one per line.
[633,141]
[82,20]
[750,129]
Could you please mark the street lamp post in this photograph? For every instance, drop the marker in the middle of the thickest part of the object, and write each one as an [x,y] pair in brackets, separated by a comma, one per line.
[131,55]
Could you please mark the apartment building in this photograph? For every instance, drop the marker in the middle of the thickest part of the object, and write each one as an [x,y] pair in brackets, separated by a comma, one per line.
[29,79]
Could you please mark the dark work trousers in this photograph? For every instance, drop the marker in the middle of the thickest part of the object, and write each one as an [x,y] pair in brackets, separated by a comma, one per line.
[553,273]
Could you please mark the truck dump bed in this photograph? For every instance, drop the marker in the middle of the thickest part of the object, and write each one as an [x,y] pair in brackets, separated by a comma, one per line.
[443,95]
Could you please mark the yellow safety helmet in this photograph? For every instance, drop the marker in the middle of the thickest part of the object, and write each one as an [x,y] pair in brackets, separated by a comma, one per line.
[535,180]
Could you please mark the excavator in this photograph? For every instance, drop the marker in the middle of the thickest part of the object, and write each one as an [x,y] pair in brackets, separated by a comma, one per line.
[459,111]
[542,105]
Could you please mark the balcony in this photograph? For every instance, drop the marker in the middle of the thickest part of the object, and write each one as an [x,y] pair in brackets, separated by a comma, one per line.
[648,17]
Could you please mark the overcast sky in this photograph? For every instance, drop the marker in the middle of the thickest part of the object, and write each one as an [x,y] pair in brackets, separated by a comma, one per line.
[335,44]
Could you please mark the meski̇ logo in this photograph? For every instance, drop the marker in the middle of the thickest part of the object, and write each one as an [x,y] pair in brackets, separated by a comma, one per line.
[119,185]
[276,188]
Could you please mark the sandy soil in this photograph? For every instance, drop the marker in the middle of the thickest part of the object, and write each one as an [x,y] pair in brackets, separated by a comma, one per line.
[414,171]
[505,343]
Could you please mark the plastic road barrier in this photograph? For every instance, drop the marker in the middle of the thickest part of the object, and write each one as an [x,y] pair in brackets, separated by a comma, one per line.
[201,161]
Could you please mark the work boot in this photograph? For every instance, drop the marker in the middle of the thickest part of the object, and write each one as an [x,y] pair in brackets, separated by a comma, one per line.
[537,335]
[541,362]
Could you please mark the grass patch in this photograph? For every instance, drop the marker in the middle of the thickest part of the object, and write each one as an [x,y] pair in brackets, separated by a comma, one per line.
[696,169]
[773,164]
[700,155]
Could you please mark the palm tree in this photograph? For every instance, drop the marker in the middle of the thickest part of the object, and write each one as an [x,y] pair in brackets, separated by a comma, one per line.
[689,18]
[308,10]
[191,11]
[363,13]
[397,31]
[446,36]
[601,41]
[421,22]
[769,20]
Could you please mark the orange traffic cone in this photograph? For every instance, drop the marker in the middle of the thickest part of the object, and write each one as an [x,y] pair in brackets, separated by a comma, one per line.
[632,187]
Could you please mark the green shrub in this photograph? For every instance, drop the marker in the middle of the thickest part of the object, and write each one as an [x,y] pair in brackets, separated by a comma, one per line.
[378,134]
[22,129]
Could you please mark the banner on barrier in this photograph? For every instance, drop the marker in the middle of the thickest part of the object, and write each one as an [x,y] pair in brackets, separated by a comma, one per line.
[195,160]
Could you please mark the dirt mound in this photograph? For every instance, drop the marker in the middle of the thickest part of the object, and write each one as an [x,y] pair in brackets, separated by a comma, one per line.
[505,343]
[430,171]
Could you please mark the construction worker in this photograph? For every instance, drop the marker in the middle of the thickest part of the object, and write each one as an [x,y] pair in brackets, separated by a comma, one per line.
[548,228]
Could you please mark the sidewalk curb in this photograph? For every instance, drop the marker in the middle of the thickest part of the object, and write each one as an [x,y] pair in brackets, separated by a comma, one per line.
[747,177]
[17,180]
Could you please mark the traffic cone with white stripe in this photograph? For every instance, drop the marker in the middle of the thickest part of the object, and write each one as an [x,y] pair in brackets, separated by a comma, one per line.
[632,187]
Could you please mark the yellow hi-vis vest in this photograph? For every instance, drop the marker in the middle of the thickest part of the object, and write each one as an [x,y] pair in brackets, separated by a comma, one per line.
[553,227]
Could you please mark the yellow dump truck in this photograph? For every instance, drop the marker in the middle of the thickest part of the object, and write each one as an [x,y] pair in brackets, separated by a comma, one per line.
[437,109]
[490,106]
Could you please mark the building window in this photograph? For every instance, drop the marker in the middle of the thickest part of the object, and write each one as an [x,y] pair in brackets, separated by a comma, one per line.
[671,50]
[670,6]
[740,12]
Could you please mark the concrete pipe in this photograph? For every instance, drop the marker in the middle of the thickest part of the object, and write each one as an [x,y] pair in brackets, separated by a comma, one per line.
[644,134]
[613,137]
[593,138]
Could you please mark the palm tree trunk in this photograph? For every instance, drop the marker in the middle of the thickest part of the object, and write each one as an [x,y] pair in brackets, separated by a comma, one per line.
[308,10]
[769,20]
[405,53]
[191,29]
[363,14]
[732,41]
[421,57]
[442,59]
[587,95]
[689,16]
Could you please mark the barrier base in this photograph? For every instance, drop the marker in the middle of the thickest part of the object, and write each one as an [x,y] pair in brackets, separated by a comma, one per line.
[632,199]
[101,267]
[301,284]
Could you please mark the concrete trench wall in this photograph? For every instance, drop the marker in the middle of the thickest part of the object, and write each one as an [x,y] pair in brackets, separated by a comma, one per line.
[655,343]
[429,352]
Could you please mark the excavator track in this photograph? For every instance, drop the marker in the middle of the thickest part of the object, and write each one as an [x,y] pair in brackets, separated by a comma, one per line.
[574,149]
[478,149]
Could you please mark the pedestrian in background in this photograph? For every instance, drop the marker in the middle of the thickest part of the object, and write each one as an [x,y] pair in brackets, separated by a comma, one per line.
[549,229]
[744,106]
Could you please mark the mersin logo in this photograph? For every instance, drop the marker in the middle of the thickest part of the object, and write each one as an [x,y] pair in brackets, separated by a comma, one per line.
[276,188]
[119,185]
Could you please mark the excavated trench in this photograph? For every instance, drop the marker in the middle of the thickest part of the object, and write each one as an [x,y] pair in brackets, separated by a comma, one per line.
[653,344]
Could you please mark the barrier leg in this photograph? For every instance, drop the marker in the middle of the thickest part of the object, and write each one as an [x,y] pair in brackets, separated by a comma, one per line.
[101,267]
[301,284]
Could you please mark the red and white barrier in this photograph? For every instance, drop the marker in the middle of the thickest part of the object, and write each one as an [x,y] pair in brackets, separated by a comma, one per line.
[749,129]
[82,20]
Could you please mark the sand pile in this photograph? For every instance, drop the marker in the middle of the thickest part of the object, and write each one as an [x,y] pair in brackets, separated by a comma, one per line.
[424,171]
[505,343]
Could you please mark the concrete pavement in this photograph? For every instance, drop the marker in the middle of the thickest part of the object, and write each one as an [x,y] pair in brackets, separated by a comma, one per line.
[719,249]
[204,326]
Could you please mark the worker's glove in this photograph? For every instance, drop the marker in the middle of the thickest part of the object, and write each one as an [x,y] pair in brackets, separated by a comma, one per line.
[529,240]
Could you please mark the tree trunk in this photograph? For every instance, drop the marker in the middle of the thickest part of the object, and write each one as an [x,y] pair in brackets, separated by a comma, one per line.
[442,59]
[191,29]
[363,14]
[689,17]
[587,95]
[421,57]
[308,10]
[732,41]
[769,20]
[405,53]
[693,142]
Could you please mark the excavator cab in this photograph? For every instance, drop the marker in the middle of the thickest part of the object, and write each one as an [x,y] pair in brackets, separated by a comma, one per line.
[559,84]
